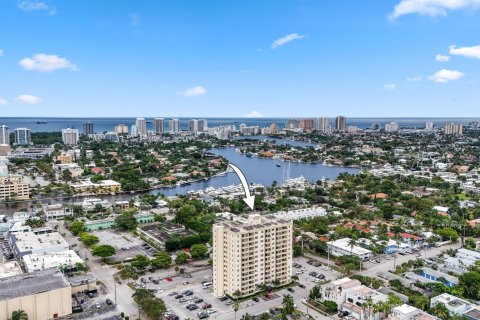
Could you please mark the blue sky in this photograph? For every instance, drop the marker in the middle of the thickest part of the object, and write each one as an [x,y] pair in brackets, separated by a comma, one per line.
[236,58]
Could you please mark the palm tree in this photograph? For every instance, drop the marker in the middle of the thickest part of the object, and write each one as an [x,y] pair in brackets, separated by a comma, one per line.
[352,243]
[288,304]
[236,307]
[237,294]
[19,315]
[440,310]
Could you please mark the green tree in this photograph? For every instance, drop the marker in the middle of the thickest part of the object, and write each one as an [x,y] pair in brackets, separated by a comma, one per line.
[128,272]
[77,227]
[19,315]
[331,306]
[162,260]
[89,239]
[104,251]
[126,221]
[315,293]
[288,304]
[141,261]
[182,257]
[470,281]
[440,310]
[198,250]
[152,306]
[447,234]
[236,307]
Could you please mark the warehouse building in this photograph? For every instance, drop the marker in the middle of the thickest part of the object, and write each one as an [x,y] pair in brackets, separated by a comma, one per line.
[42,295]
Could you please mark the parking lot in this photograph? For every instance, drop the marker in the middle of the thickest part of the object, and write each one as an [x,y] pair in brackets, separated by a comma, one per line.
[224,311]
[126,245]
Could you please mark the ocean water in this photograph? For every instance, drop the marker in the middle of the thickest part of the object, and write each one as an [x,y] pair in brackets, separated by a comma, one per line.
[108,124]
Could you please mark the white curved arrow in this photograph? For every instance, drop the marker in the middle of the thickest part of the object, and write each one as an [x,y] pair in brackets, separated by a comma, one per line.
[249,199]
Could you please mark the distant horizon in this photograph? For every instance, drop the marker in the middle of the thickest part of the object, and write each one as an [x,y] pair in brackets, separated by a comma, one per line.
[250,118]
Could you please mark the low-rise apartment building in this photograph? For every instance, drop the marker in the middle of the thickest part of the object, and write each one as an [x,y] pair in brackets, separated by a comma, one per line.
[344,247]
[14,187]
[454,304]
[56,211]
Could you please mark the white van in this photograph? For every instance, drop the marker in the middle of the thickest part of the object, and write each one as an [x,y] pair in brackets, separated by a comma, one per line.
[207,285]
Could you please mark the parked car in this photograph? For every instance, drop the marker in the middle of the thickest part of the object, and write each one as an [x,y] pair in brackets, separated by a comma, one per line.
[229,302]
[291,289]
[206,306]
[199,300]
[301,285]
[178,296]
[109,302]
[255,299]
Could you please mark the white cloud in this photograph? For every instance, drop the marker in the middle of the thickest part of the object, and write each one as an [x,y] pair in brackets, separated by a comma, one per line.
[36,6]
[432,7]
[390,86]
[469,52]
[46,63]
[254,114]
[442,58]
[3,102]
[194,92]
[444,76]
[27,99]
[415,79]
[282,41]
[1,52]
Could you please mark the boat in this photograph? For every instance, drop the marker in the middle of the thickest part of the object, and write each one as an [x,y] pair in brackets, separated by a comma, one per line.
[278,165]
[249,154]
[42,122]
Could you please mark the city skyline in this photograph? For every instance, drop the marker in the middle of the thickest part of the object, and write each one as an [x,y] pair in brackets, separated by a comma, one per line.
[221,60]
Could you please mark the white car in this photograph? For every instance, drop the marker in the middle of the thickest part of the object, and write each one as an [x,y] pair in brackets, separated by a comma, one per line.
[212,310]
[304,269]
[299,272]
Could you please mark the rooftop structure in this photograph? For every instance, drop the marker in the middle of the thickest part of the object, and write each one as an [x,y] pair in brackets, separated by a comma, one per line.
[30,243]
[63,261]
[42,295]
[344,246]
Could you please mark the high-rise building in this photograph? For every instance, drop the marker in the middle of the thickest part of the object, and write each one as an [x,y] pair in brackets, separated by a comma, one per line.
[193,125]
[159,125]
[429,125]
[391,127]
[87,128]
[4,135]
[376,126]
[70,136]
[22,136]
[202,125]
[340,123]
[141,125]
[323,125]
[121,129]
[251,251]
[133,130]
[292,124]
[174,125]
[453,128]
[306,124]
